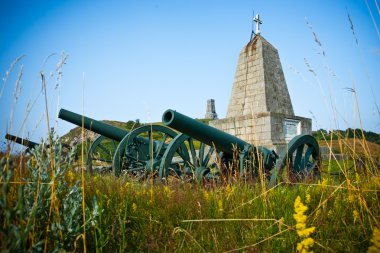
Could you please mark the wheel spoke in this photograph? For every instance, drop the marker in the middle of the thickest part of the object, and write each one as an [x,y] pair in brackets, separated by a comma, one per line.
[140,148]
[193,153]
[308,154]
[208,156]
[103,148]
[297,160]
[185,158]
[201,154]
[162,143]
[183,152]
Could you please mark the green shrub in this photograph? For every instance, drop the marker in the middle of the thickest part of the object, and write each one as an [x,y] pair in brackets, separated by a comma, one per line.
[42,209]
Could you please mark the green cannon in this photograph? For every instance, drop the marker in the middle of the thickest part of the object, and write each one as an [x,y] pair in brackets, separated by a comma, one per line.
[135,153]
[25,142]
[182,157]
[30,144]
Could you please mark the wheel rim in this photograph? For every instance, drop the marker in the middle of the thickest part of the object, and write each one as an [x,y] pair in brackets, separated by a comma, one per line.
[182,160]
[100,153]
[141,150]
[301,159]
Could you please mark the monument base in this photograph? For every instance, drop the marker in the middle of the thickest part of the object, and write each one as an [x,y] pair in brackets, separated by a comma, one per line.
[268,129]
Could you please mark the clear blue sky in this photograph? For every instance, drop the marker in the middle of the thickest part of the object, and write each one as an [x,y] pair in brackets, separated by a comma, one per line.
[135,59]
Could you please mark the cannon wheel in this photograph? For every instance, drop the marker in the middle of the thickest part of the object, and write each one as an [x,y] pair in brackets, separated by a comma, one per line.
[182,160]
[138,158]
[300,160]
[101,153]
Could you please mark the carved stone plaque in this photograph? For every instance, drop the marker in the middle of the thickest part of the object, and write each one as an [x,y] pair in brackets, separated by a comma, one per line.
[292,128]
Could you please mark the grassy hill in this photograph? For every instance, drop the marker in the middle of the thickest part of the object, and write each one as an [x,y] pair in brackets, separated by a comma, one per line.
[352,146]
[76,133]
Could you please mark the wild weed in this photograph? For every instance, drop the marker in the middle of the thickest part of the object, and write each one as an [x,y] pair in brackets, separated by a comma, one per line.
[34,217]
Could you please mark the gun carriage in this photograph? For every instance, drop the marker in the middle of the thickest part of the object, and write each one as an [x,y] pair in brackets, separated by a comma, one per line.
[300,157]
[198,151]
[137,152]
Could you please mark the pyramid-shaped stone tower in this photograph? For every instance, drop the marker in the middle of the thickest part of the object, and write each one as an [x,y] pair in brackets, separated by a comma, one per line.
[259,84]
[260,110]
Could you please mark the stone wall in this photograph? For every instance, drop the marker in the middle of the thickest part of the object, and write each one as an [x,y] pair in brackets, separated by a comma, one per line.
[276,90]
[263,129]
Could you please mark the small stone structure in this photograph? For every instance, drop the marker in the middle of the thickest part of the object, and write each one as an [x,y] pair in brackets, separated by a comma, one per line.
[260,110]
[210,112]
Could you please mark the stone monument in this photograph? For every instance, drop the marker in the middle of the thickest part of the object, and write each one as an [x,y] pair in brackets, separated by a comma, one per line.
[210,112]
[260,110]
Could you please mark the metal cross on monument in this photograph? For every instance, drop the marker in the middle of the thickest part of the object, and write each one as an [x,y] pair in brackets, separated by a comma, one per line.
[258,23]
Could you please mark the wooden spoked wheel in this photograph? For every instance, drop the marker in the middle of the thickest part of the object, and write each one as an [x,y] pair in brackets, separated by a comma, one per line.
[139,153]
[299,160]
[100,154]
[186,158]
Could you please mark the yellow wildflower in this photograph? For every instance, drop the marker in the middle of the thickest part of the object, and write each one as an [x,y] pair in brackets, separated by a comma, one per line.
[206,196]
[220,205]
[70,178]
[375,241]
[95,179]
[318,213]
[229,190]
[357,177]
[302,230]
[134,207]
[167,191]
[376,180]
[280,222]
[356,215]
[33,161]
[151,195]
[308,198]
[323,183]
[305,244]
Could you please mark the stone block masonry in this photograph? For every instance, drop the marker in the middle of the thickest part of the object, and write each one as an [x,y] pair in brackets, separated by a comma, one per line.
[259,84]
[264,129]
[260,110]
[210,112]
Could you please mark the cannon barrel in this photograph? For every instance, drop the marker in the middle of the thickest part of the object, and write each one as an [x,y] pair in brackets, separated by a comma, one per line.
[202,132]
[24,142]
[98,127]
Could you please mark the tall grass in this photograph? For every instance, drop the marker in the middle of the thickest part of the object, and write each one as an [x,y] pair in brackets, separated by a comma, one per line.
[190,217]
[35,215]
[133,216]
[47,204]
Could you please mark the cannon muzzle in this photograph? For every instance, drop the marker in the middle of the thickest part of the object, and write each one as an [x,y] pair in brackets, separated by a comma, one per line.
[24,142]
[98,127]
[202,132]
